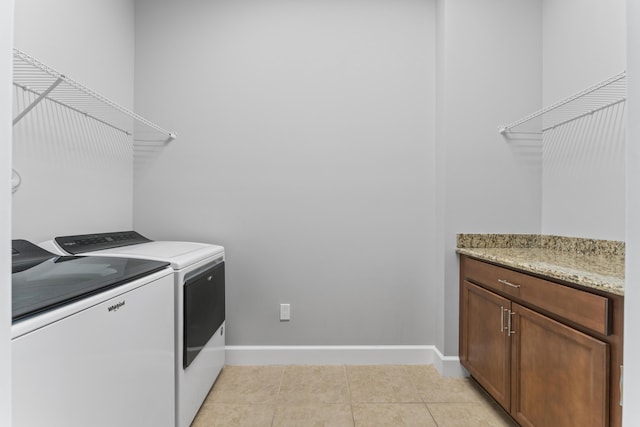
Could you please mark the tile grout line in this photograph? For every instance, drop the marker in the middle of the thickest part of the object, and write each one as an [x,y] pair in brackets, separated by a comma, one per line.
[423,399]
[275,404]
[346,377]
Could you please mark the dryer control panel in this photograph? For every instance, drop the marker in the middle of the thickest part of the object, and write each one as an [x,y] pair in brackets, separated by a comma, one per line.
[97,242]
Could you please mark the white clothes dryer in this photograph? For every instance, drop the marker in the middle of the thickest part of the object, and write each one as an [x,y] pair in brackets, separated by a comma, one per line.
[199,286]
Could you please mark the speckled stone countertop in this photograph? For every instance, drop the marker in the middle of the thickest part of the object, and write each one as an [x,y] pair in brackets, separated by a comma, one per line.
[597,264]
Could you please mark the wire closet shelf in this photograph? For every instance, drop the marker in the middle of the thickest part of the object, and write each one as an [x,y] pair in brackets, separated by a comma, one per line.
[43,82]
[600,96]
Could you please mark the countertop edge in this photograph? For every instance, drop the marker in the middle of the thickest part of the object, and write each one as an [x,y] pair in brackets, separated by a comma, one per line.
[609,284]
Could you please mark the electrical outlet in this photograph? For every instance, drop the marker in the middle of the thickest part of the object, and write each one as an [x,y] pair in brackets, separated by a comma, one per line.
[285,311]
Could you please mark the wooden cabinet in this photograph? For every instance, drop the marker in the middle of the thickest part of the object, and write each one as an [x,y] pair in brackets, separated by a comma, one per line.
[559,375]
[548,353]
[485,350]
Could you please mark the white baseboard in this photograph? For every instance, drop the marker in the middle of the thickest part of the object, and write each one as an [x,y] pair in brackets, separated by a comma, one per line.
[345,355]
[449,366]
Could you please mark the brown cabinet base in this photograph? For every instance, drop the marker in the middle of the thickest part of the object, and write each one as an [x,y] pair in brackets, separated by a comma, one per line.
[539,363]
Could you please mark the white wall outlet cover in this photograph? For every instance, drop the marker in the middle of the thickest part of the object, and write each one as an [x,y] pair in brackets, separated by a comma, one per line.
[285,311]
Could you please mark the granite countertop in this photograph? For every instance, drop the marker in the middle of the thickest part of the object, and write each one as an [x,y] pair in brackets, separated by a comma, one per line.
[596,264]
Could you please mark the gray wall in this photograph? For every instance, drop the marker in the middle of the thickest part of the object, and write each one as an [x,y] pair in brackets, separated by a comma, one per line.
[583,181]
[306,147]
[315,124]
[489,70]
[77,175]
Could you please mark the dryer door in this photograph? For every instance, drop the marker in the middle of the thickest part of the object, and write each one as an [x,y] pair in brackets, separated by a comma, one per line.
[204,308]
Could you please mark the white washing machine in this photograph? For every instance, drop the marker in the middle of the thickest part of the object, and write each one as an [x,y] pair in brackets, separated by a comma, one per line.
[199,286]
[91,341]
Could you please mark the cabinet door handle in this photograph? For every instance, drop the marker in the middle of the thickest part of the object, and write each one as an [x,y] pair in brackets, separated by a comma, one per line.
[509,331]
[621,378]
[505,282]
[501,319]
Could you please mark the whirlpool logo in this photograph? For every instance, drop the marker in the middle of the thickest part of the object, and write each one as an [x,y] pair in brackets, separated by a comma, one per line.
[116,306]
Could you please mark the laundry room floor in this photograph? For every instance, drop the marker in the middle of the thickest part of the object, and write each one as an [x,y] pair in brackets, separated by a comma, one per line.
[335,396]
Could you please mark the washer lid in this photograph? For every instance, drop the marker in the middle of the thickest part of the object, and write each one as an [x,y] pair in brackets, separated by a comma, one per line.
[178,254]
[51,281]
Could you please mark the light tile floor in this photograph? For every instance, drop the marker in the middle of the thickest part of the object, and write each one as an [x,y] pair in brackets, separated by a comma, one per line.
[356,396]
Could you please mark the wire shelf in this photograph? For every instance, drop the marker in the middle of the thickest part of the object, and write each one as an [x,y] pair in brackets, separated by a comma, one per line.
[602,95]
[43,82]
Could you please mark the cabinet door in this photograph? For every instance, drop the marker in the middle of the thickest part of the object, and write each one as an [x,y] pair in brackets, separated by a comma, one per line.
[484,345]
[559,375]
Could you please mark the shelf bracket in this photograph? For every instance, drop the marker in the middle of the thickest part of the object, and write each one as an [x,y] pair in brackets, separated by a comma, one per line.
[42,96]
